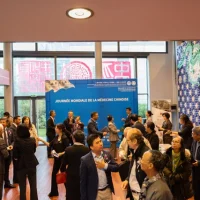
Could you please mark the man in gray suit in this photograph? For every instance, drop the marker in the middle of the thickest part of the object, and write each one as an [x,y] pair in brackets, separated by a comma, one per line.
[3,154]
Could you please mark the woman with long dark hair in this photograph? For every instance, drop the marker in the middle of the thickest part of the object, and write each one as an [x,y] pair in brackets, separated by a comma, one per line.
[186,130]
[26,162]
[33,131]
[178,170]
[58,144]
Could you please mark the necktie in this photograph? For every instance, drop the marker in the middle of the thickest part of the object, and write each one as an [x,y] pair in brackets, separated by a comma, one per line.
[5,137]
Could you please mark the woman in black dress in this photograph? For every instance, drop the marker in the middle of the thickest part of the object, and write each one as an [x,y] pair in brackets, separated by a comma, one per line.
[166,128]
[58,144]
[186,131]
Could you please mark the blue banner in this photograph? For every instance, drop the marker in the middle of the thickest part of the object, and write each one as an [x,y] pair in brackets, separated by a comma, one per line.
[105,96]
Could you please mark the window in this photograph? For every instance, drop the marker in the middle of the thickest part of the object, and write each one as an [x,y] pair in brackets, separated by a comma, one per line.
[142,75]
[1,87]
[145,46]
[142,105]
[1,63]
[30,75]
[1,106]
[66,46]
[1,46]
[109,46]
[75,68]
[24,46]
[117,68]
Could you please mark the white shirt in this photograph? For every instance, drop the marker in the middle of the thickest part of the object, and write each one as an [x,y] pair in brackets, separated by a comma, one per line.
[134,185]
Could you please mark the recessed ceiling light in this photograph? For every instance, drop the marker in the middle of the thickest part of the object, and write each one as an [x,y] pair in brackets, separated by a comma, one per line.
[79,13]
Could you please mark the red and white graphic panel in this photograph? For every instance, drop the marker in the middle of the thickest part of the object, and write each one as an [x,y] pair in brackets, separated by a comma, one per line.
[116,69]
[76,70]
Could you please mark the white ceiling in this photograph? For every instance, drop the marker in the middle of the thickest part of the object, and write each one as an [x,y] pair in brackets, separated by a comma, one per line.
[45,20]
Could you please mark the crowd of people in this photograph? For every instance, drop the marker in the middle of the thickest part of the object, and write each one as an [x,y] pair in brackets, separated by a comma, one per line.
[147,174]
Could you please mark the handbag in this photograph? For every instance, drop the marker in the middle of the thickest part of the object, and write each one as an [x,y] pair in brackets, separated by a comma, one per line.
[61,177]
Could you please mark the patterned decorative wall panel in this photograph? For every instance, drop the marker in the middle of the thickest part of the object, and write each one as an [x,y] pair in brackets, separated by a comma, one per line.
[188,61]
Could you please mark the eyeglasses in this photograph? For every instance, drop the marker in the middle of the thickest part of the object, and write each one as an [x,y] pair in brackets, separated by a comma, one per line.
[175,142]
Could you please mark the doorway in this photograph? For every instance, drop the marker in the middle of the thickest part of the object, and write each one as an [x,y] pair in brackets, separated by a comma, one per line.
[35,108]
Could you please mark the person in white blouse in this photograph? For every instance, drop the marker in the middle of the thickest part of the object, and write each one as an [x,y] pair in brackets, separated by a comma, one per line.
[33,131]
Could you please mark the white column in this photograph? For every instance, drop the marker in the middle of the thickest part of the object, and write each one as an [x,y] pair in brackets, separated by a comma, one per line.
[98,60]
[8,90]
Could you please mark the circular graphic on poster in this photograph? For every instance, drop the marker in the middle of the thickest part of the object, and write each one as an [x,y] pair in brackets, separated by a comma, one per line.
[75,70]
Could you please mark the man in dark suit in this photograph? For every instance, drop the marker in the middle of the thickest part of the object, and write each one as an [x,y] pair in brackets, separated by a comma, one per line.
[195,151]
[92,125]
[13,128]
[95,171]
[137,124]
[3,155]
[9,141]
[69,124]
[127,121]
[51,130]
[72,159]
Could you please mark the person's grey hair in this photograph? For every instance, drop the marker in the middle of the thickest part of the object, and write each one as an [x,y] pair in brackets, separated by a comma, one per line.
[196,130]
[157,159]
[135,133]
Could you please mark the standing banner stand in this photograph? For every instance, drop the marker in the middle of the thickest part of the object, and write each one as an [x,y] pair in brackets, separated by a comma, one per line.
[105,96]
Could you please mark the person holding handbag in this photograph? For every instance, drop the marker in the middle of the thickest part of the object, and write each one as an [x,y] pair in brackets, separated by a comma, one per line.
[58,144]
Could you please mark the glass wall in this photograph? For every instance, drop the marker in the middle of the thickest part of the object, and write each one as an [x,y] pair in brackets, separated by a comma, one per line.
[75,68]
[29,75]
[1,88]
[24,46]
[66,46]
[33,63]
[143,46]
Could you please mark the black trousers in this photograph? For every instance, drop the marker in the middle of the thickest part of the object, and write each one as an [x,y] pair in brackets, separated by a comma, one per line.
[7,166]
[15,177]
[31,174]
[50,137]
[196,185]
[56,168]
[1,185]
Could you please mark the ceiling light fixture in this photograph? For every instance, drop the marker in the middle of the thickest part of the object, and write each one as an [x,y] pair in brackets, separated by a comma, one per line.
[79,13]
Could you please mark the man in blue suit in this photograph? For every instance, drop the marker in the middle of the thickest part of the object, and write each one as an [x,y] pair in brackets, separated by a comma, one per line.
[95,171]
[92,125]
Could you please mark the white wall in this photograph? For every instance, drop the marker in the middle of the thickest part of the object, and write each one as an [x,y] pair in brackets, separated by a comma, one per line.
[162,81]
[162,75]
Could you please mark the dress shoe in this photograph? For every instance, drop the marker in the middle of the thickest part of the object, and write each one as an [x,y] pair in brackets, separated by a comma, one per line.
[50,156]
[9,186]
[52,195]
